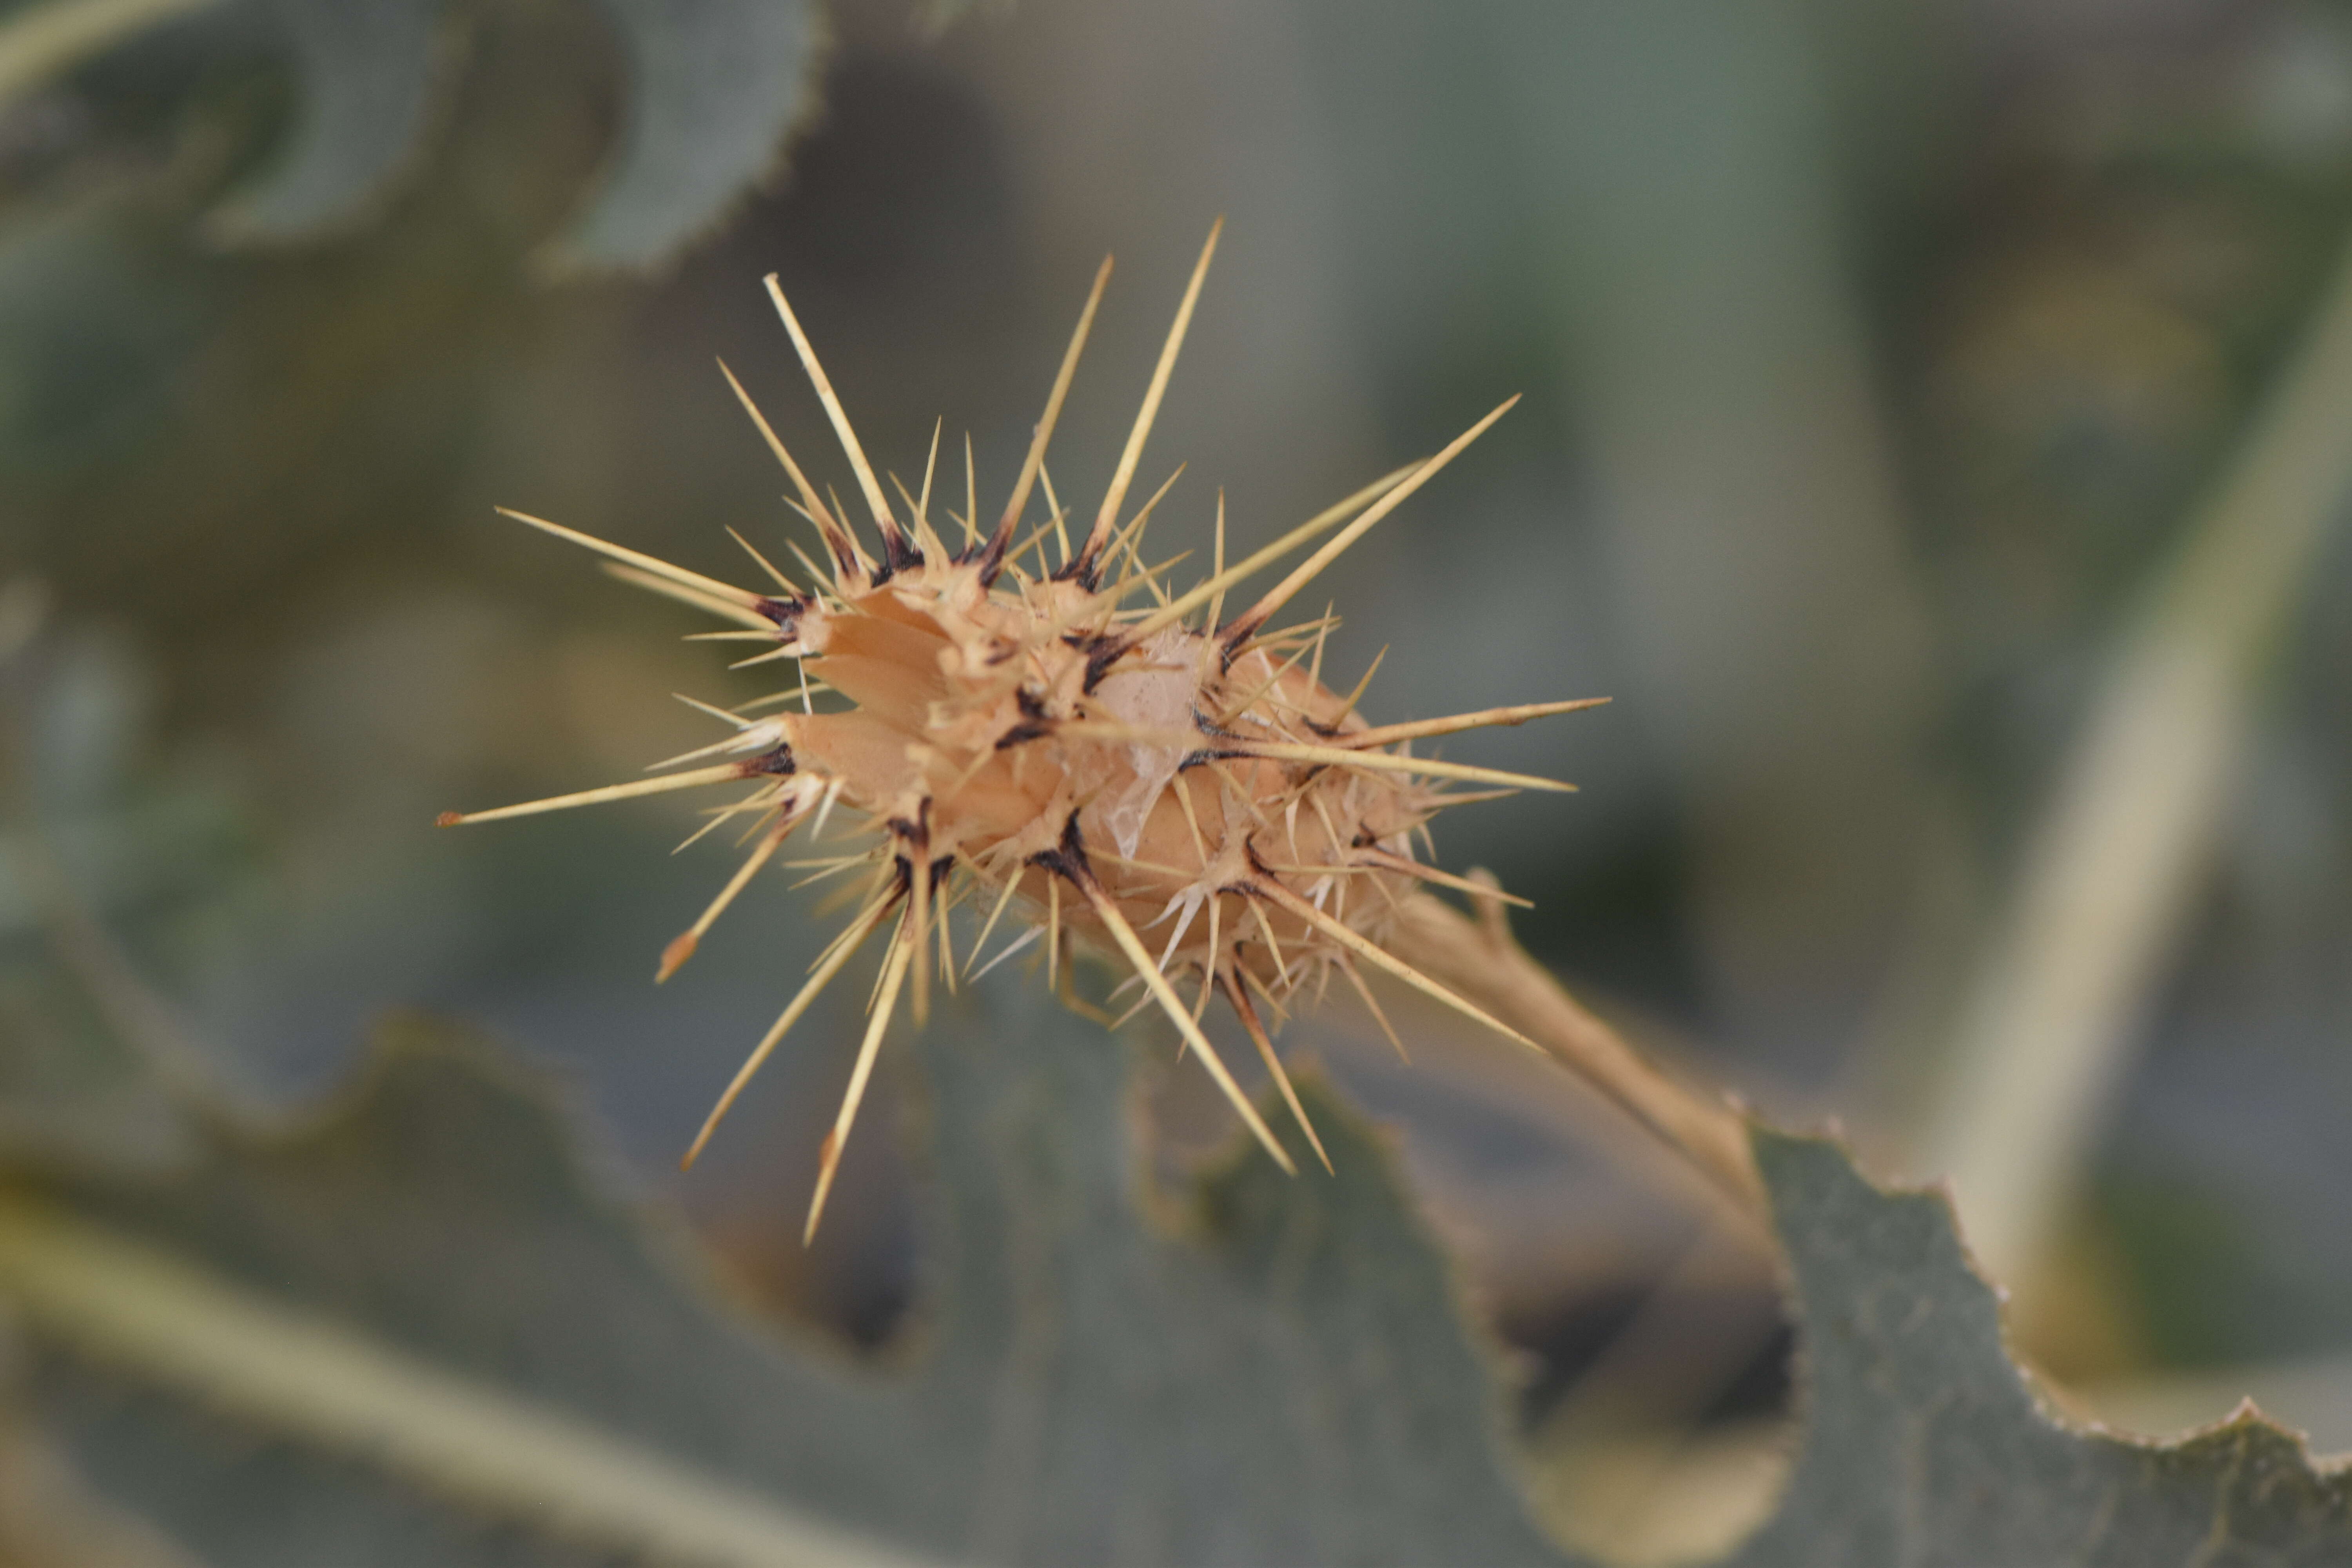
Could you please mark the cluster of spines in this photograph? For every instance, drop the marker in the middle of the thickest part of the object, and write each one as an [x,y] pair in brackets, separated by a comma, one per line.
[921,888]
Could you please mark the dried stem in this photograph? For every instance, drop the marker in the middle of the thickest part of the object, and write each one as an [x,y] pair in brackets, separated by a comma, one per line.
[1481,961]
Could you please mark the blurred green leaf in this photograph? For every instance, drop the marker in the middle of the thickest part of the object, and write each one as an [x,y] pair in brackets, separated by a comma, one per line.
[39,41]
[465,1351]
[715,87]
[368,75]
[71,1089]
[1925,1444]
[429,1276]
[91,330]
[94,1070]
[719,85]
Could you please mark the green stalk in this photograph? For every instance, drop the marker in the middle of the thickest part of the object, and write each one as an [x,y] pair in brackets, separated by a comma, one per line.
[121,1302]
[2049,1020]
[42,41]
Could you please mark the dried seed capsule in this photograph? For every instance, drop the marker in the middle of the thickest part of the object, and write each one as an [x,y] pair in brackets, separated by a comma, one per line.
[1116,766]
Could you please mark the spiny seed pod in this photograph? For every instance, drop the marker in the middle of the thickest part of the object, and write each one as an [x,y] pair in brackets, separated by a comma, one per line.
[1111,770]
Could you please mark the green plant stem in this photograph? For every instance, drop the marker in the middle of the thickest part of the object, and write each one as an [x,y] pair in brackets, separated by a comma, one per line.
[41,41]
[2047,1022]
[117,1301]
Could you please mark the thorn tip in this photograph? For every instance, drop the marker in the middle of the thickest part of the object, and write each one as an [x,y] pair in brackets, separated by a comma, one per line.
[675,955]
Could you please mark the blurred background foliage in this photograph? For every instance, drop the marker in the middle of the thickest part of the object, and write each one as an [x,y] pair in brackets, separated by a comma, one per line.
[1882,367]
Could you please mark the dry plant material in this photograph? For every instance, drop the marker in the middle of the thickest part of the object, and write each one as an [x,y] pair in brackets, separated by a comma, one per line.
[1045,731]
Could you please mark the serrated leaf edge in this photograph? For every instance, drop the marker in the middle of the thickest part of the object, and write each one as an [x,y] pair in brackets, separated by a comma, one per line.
[2048,1399]
[559,260]
[232,226]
